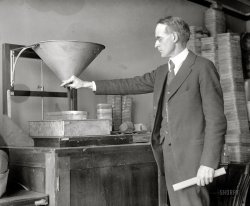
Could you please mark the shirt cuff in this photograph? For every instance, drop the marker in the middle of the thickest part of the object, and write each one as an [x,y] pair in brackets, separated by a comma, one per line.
[93,86]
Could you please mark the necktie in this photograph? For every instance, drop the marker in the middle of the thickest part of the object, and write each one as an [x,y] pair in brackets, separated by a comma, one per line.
[171,73]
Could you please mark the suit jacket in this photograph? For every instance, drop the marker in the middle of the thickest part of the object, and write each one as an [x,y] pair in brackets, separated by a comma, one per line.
[197,123]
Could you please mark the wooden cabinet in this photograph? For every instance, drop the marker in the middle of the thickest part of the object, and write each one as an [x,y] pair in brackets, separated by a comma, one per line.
[123,175]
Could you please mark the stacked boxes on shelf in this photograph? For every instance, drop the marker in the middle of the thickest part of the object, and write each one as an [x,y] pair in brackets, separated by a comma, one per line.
[194,43]
[209,50]
[215,21]
[121,109]
[126,109]
[116,102]
[232,82]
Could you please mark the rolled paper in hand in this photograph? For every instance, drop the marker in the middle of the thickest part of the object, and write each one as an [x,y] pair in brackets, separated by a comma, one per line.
[193,181]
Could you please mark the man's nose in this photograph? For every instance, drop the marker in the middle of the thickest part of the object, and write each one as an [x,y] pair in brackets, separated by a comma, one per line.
[156,44]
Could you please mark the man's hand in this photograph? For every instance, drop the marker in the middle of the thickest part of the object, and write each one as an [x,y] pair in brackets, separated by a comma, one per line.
[205,175]
[76,83]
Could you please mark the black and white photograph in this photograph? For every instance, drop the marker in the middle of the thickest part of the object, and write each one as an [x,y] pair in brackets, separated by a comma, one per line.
[125,102]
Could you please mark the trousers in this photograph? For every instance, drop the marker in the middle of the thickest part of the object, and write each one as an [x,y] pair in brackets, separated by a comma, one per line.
[191,196]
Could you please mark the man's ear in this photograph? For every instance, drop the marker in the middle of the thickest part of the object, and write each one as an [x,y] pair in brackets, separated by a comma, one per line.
[175,37]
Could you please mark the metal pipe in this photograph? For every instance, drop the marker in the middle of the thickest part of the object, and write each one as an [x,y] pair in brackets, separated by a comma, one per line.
[12,57]
[9,103]
[74,99]
[69,98]
[42,89]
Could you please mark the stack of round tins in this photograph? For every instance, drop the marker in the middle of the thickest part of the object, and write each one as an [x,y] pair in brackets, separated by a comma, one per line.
[104,111]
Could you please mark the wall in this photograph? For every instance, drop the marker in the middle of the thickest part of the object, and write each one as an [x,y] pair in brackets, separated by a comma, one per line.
[126,28]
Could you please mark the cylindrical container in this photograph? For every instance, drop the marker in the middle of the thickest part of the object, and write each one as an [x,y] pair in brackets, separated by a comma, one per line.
[215,21]
[104,111]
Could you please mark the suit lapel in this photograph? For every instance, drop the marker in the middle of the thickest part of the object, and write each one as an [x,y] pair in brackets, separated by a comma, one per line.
[182,74]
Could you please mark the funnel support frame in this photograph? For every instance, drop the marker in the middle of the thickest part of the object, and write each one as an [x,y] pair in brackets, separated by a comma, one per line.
[13,62]
[9,91]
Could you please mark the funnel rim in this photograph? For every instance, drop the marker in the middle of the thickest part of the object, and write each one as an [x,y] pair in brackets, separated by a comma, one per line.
[67,57]
[77,41]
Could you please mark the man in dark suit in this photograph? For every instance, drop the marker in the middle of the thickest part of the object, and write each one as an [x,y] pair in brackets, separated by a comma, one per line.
[189,125]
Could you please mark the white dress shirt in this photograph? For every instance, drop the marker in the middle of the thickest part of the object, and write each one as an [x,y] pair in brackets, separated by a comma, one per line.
[178,60]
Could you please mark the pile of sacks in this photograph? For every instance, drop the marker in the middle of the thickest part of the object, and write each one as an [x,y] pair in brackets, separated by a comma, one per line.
[4,172]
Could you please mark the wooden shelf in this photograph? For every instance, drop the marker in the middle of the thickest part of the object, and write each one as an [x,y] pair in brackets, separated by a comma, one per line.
[236,8]
[23,197]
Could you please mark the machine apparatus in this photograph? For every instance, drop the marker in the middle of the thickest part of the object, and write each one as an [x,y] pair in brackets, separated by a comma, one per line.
[64,128]
[64,58]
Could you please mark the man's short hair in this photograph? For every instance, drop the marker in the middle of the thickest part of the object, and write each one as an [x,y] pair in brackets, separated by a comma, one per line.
[178,25]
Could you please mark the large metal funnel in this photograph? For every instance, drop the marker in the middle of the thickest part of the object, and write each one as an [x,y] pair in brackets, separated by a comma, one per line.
[67,58]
